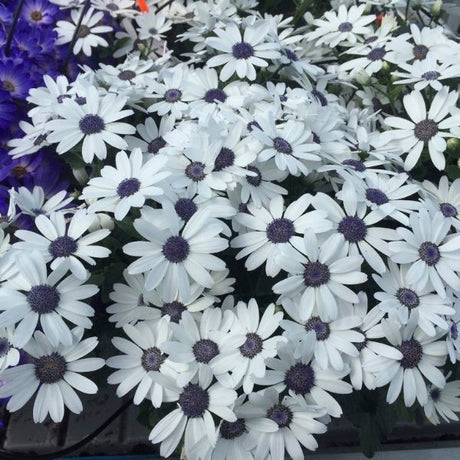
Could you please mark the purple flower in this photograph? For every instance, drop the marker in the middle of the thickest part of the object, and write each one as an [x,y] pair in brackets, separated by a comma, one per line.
[7,110]
[39,12]
[15,78]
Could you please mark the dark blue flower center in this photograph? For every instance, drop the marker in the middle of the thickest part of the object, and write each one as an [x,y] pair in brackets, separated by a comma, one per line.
[352,228]
[155,145]
[412,352]
[453,331]
[255,181]
[80,100]
[408,298]
[174,310]
[429,253]
[320,97]
[127,75]
[426,129]
[291,55]
[51,368]
[448,210]
[194,401]
[62,246]
[4,346]
[128,187]
[280,414]
[91,124]
[112,7]
[232,430]
[43,298]
[376,54]
[224,159]
[152,359]
[204,350]
[282,145]
[322,329]
[315,274]
[214,95]
[300,378]
[431,75]
[176,249]
[195,171]
[345,27]
[435,394]
[420,52]
[376,196]
[252,346]
[280,230]
[316,138]
[242,50]
[172,95]
[357,164]
[185,208]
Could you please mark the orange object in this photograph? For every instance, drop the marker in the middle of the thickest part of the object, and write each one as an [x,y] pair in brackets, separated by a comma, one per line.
[143,6]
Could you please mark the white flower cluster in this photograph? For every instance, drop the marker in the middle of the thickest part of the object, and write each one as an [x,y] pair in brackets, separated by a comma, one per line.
[264,143]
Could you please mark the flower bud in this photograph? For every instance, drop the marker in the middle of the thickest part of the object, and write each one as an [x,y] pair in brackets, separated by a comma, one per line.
[436,9]
[362,78]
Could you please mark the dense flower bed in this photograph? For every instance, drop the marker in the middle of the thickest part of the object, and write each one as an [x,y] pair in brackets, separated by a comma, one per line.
[257,204]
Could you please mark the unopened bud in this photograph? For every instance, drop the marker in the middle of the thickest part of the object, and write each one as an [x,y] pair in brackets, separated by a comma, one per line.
[362,78]
[453,144]
[436,9]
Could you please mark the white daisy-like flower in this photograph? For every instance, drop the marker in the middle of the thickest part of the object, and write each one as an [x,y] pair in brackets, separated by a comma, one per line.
[143,353]
[274,229]
[200,346]
[118,8]
[433,254]
[425,129]
[193,416]
[34,203]
[36,297]
[87,37]
[152,25]
[291,144]
[126,185]
[95,122]
[405,299]
[248,362]
[319,272]
[295,420]
[347,26]
[240,53]
[9,355]
[305,379]
[443,402]
[420,356]
[55,373]
[174,255]
[34,139]
[65,244]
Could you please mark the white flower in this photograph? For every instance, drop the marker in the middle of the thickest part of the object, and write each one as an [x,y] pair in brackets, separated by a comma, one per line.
[443,402]
[143,354]
[319,273]
[420,356]
[274,229]
[242,53]
[95,122]
[193,414]
[173,256]
[55,374]
[65,244]
[433,254]
[425,129]
[453,336]
[9,356]
[152,136]
[35,297]
[33,140]
[296,423]
[126,185]
[87,37]
[116,8]
[152,25]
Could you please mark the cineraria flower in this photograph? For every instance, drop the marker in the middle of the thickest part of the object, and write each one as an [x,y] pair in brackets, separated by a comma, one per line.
[152,136]
[152,25]
[9,356]
[172,255]
[36,297]
[242,53]
[405,299]
[64,245]
[342,26]
[420,356]
[453,336]
[424,129]
[319,273]
[87,37]
[433,254]
[33,140]
[126,185]
[291,144]
[248,362]
[443,402]
[34,204]
[95,122]
[195,403]
[143,354]
[39,12]
[122,8]
[296,423]
[274,229]
[54,372]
